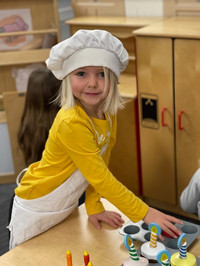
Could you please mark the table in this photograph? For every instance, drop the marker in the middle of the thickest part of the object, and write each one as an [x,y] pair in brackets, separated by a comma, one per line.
[75,233]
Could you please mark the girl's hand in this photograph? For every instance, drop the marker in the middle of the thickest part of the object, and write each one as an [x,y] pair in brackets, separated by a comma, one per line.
[112,218]
[166,222]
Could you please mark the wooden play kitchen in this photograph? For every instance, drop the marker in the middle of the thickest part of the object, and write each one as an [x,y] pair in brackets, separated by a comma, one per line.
[168,75]
[142,232]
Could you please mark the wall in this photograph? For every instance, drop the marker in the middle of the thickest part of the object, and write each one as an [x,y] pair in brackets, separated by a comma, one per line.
[144,8]
[65,12]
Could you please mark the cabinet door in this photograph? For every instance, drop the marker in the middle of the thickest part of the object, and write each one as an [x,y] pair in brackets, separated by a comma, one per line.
[156,115]
[187,104]
[123,161]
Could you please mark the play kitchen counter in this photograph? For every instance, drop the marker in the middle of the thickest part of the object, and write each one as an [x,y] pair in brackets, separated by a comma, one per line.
[168,76]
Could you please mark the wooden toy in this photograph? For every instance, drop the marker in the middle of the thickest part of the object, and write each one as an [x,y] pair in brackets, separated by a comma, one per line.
[69,258]
[151,248]
[86,258]
[140,231]
[183,258]
[134,259]
[163,257]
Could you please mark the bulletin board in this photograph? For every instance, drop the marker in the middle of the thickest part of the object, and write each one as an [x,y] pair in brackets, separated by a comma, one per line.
[14,20]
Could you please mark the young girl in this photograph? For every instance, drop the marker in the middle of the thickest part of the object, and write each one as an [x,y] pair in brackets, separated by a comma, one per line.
[78,148]
[39,113]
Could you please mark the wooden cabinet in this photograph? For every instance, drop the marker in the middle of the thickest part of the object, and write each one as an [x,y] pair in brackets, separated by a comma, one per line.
[187,111]
[181,7]
[98,8]
[168,74]
[155,92]
[124,161]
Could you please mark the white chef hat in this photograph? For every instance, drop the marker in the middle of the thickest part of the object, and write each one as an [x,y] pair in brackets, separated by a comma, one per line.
[87,48]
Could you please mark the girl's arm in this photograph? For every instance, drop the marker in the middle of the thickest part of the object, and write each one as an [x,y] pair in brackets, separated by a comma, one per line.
[83,151]
[166,222]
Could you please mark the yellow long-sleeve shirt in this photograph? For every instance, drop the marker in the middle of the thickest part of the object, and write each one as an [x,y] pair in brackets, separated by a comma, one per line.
[75,142]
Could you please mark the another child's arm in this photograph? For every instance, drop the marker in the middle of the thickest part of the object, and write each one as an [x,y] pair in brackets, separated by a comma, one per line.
[112,218]
[166,222]
[191,194]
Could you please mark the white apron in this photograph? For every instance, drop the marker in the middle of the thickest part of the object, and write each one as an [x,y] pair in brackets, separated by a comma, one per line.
[32,217]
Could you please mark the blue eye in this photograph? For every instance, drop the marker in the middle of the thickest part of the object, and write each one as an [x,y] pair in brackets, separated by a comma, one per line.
[101,74]
[81,74]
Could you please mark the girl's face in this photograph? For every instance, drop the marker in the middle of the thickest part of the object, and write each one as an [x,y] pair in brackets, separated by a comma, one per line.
[88,86]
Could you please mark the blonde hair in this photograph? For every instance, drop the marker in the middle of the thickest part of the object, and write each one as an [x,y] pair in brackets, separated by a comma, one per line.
[113,102]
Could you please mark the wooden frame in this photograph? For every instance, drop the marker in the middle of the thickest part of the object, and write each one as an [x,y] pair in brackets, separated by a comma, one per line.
[98,8]
[45,20]
[181,8]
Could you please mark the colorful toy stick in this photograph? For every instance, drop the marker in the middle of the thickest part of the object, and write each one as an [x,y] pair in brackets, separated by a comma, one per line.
[151,248]
[89,263]
[128,242]
[133,253]
[155,231]
[182,245]
[183,257]
[69,258]
[86,258]
[163,257]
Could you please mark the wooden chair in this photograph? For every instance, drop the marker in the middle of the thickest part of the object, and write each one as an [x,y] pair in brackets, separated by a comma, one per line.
[14,105]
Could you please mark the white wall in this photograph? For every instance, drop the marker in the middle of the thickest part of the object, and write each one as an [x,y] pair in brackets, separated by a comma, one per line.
[148,8]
